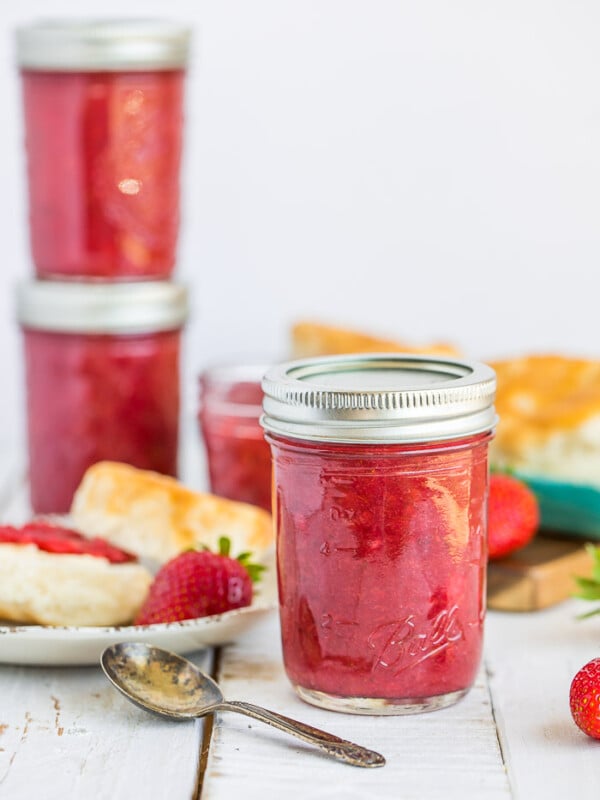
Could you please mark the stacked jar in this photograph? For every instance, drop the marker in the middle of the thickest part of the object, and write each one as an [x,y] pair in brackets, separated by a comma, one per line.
[103,106]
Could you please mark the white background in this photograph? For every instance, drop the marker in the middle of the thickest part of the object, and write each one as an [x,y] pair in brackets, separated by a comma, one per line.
[423,170]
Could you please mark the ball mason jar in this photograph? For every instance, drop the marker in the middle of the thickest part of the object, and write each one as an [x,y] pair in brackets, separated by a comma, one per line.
[238,457]
[103,118]
[102,380]
[380,478]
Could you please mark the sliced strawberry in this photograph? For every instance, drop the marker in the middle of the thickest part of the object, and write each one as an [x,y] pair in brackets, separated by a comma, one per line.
[56,539]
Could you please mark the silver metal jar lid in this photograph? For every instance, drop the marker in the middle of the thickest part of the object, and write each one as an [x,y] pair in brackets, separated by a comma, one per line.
[97,44]
[379,398]
[113,308]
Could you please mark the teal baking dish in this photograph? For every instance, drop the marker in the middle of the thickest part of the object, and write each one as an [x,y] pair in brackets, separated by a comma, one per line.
[573,509]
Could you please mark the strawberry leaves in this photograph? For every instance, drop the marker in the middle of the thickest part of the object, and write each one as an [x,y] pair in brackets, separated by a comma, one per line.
[589,588]
[254,570]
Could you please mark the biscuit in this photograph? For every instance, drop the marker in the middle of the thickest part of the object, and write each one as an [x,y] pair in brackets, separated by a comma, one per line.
[64,589]
[310,339]
[156,517]
[549,417]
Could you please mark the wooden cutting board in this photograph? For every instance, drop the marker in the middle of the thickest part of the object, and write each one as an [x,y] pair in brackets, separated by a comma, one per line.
[537,576]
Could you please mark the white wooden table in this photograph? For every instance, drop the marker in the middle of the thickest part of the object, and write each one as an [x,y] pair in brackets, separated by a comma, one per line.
[66,733]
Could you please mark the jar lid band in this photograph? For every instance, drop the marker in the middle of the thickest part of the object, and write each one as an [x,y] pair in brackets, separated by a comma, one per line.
[103,45]
[379,398]
[111,308]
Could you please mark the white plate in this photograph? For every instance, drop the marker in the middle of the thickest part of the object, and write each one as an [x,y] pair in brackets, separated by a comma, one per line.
[57,646]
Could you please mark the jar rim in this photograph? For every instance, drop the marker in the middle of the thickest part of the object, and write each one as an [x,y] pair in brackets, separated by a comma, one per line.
[379,397]
[95,307]
[216,379]
[234,372]
[103,45]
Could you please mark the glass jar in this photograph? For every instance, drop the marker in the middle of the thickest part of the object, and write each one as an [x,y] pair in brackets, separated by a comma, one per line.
[103,106]
[238,457]
[102,380]
[380,488]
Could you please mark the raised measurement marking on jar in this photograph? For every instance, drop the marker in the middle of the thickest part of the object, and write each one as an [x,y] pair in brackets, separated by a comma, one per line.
[327,549]
[329,623]
[336,513]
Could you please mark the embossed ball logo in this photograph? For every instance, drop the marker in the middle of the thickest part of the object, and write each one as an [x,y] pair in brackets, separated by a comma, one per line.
[401,645]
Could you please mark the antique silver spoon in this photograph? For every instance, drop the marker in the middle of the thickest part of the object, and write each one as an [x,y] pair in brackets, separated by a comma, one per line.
[167,684]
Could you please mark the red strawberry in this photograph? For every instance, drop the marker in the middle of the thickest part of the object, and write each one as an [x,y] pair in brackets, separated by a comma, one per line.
[199,583]
[513,515]
[584,698]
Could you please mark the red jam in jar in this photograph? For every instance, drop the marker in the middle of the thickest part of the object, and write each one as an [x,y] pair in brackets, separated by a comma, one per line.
[238,457]
[380,489]
[103,106]
[102,380]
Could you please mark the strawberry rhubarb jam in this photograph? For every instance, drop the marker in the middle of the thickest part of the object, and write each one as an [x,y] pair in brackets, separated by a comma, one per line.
[380,481]
[103,113]
[238,457]
[102,381]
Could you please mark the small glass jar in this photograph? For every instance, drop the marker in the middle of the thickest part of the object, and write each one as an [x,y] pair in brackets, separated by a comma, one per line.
[238,457]
[380,488]
[102,380]
[103,105]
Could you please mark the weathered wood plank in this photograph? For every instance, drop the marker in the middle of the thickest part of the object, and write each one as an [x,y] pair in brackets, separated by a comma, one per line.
[449,753]
[532,659]
[67,733]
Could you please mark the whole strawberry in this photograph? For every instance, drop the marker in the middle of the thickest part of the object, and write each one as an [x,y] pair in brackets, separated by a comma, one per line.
[584,698]
[199,583]
[513,515]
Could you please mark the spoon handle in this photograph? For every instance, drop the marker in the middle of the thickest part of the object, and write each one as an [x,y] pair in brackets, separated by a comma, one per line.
[345,751]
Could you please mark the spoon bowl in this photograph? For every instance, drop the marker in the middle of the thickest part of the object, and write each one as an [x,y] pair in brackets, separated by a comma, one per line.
[171,686]
[160,681]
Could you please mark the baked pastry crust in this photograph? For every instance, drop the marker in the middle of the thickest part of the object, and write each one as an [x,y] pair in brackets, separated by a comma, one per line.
[549,417]
[156,517]
[63,589]
[310,339]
